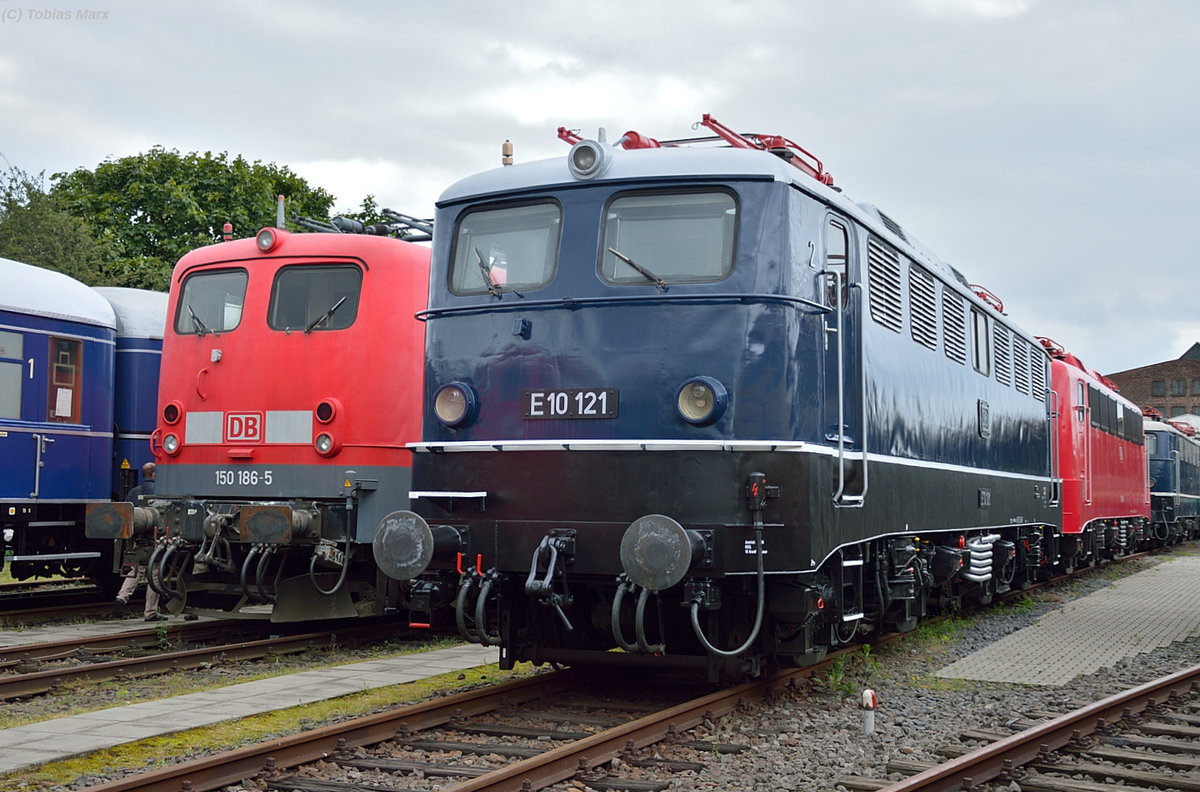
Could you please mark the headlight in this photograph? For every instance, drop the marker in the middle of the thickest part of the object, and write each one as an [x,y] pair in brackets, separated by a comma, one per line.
[454,404]
[327,409]
[266,239]
[588,159]
[171,444]
[325,444]
[701,400]
[171,412]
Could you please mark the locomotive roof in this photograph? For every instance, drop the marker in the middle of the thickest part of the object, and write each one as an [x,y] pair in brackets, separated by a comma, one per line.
[1166,425]
[684,162]
[140,313]
[1187,419]
[42,292]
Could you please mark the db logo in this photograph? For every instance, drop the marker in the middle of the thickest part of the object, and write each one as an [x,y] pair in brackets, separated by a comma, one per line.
[243,427]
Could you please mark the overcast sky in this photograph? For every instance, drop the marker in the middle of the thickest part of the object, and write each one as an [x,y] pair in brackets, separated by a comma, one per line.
[1045,148]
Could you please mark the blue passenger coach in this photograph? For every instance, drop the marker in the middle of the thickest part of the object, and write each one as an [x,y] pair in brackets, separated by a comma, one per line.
[140,316]
[57,351]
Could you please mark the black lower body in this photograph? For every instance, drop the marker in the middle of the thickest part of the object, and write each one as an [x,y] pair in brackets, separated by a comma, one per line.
[1173,519]
[283,560]
[554,561]
[48,540]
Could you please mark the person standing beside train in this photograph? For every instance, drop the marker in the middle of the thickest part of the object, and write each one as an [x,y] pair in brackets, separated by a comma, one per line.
[137,496]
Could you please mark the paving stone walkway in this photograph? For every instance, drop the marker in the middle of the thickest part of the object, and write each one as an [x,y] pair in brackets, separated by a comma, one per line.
[1137,614]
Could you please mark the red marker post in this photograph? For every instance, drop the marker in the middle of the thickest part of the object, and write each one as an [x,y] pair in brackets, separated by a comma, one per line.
[868,703]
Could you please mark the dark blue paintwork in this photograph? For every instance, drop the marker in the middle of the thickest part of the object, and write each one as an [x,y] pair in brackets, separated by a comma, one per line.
[140,317]
[1174,462]
[761,332]
[136,404]
[947,449]
[633,338]
[76,466]
[53,462]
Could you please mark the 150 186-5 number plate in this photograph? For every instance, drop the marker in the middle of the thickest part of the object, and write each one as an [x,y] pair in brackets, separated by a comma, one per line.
[569,403]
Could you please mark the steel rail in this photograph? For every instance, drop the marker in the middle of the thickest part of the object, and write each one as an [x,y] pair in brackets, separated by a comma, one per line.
[991,761]
[210,773]
[38,682]
[56,604]
[213,772]
[68,647]
[569,760]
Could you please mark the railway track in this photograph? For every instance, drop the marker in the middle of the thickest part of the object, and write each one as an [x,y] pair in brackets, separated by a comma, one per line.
[35,601]
[354,748]
[40,584]
[1148,736]
[496,726]
[35,669]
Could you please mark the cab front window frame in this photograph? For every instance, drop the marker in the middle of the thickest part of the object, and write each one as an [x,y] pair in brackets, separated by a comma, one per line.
[505,248]
[211,301]
[662,237]
[315,297]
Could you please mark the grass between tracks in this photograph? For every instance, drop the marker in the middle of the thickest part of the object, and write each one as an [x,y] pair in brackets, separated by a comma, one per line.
[182,746]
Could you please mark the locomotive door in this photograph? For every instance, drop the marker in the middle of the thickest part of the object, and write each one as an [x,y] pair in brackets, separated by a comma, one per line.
[1086,416]
[1080,443]
[19,407]
[843,401]
[60,448]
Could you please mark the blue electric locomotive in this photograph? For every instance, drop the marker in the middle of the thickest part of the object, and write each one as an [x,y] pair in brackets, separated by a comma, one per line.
[62,356]
[686,399]
[1173,452]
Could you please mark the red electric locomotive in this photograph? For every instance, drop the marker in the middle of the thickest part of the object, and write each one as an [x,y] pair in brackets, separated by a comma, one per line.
[291,381]
[1100,457]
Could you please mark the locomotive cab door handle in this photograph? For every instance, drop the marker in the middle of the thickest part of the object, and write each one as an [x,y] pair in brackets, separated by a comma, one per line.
[39,442]
[1177,484]
[840,309]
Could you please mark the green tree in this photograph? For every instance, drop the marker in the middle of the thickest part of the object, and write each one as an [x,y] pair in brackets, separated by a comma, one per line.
[368,212]
[148,209]
[35,230]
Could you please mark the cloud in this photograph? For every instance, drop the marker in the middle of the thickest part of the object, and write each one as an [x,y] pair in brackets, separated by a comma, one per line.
[1044,149]
[409,189]
[984,9]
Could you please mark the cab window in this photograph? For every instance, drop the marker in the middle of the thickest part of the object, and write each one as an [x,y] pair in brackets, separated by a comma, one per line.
[836,245]
[313,298]
[211,302]
[662,238]
[508,248]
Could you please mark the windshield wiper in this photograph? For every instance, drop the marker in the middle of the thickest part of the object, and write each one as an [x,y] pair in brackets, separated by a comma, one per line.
[199,326]
[325,316]
[486,269]
[645,273]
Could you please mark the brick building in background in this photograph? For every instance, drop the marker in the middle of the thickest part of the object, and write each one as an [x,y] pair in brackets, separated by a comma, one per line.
[1171,387]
